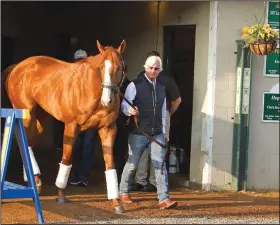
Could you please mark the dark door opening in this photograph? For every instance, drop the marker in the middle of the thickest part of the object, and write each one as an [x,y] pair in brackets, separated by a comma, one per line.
[7,51]
[7,55]
[178,61]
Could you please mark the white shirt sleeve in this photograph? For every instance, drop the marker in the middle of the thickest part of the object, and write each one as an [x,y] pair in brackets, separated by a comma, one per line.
[164,116]
[130,94]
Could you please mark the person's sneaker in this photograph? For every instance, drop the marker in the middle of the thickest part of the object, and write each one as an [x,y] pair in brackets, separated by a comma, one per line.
[125,198]
[167,204]
[83,184]
[75,182]
[150,188]
[136,187]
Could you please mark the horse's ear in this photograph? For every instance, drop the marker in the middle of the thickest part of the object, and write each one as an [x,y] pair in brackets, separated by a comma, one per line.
[100,47]
[122,46]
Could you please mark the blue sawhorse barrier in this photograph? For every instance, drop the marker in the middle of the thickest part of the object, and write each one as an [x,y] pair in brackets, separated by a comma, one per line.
[10,190]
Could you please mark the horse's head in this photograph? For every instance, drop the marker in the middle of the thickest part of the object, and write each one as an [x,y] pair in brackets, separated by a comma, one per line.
[112,72]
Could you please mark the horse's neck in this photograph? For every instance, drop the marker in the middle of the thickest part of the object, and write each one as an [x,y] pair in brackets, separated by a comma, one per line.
[90,78]
[92,71]
[95,61]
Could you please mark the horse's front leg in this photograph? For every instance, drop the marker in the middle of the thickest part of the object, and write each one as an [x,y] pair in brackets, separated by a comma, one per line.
[69,138]
[107,136]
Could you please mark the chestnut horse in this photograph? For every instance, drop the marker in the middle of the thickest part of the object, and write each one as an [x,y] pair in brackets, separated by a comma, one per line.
[80,94]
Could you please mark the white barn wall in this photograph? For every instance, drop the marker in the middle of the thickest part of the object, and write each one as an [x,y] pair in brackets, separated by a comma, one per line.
[263,157]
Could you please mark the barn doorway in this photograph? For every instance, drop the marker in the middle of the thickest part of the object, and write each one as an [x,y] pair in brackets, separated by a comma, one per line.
[178,61]
[7,51]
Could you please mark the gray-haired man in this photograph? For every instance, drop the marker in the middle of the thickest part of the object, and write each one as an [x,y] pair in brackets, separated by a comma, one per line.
[145,174]
[148,96]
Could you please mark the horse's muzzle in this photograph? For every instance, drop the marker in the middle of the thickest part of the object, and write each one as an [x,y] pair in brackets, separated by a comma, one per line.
[108,102]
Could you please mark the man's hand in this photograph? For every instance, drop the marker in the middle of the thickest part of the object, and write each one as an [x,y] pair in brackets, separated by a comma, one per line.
[133,111]
[174,105]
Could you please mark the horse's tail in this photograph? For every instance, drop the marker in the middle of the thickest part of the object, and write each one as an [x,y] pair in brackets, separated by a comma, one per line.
[5,101]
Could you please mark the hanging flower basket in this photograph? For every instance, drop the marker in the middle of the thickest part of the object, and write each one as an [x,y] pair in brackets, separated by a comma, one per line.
[261,38]
[263,47]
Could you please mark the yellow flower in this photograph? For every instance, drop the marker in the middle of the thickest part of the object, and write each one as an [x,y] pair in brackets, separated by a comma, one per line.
[245,30]
[267,31]
[251,31]
[245,36]
[259,32]
[266,26]
[253,27]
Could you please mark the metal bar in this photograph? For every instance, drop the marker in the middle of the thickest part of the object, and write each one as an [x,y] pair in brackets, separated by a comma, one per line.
[239,140]
[22,142]
[243,122]
[248,125]
[19,113]
[6,146]
[237,117]
[9,190]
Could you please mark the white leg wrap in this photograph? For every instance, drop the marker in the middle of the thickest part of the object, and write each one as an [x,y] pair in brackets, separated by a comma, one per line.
[35,167]
[112,184]
[63,175]
[24,175]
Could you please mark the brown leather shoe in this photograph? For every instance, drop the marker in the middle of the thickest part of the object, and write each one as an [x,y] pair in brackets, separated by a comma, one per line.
[167,204]
[125,198]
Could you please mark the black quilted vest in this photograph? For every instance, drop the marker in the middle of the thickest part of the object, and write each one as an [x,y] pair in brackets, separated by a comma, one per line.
[149,101]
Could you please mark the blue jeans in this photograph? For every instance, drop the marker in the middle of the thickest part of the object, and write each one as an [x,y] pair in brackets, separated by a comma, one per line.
[83,155]
[136,146]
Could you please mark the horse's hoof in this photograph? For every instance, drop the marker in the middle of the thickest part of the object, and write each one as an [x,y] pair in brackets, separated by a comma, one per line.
[119,209]
[39,187]
[62,200]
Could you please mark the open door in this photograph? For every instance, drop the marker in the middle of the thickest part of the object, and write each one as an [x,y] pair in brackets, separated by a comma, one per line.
[178,61]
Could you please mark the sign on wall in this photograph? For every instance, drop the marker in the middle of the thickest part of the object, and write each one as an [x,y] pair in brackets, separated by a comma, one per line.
[245,90]
[272,62]
[271,107]
[273,14]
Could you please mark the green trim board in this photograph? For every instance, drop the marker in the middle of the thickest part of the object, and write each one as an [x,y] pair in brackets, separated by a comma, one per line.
[241,118]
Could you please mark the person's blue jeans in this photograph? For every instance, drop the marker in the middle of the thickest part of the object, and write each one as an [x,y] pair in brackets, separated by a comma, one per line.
[136,146]
[83,155]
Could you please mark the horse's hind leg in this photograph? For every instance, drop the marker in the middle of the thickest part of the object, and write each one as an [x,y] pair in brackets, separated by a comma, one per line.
[107,136]
[32,129]
[69,138]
